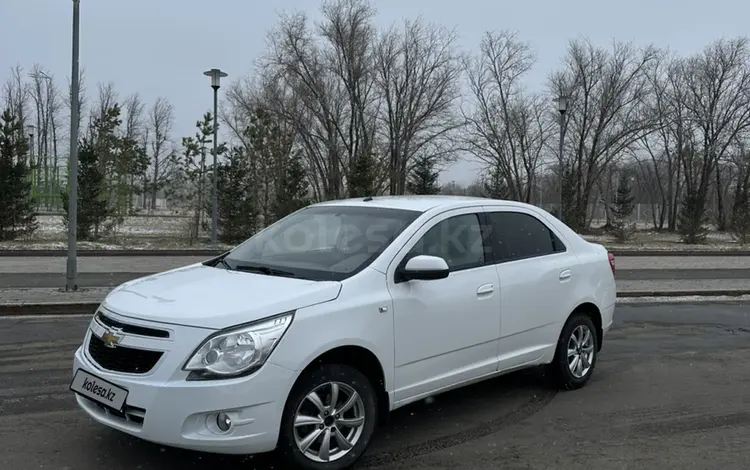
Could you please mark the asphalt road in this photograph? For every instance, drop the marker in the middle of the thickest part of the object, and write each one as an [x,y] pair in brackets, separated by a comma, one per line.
[670,392]
[113,279]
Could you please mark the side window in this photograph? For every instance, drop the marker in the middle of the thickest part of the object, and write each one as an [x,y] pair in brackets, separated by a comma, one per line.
[458,240]
[516,235]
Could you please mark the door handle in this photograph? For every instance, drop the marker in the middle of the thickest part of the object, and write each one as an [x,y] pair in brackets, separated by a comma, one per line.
[565,275]
[485,289]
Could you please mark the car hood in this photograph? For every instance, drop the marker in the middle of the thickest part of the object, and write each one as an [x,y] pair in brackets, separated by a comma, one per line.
[215,298]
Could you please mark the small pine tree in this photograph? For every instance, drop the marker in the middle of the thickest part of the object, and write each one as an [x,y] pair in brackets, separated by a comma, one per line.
[622,210]
[237,209]
[293,188]
[94,209]
[193,168]
[423,179]
[740,218]
[362,176]
[495,186]
[691,222]
[17,216]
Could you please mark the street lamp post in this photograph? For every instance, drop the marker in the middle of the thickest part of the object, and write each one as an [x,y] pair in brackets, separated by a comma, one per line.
[71,275]
[562,107]
[216,76]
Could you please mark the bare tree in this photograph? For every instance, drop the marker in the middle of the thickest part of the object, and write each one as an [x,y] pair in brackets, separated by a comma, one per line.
[349,34]
[16,94]
[659,153]
[326,90]
[134,124]
[161,120]
[54,109]
[43,95]
[740,214]
[307,100]
[107,98]
[106,102]
[717,101]
[241,99]
[418,70]
[607,114]
[507,129]
[134,133]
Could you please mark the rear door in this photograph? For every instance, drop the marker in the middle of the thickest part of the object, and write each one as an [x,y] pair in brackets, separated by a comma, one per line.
[536,273]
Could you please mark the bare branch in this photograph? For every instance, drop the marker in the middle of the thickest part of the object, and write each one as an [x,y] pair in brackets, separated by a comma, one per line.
[607,114]
[418,69]
[16,94]
[160,122]
[506,129]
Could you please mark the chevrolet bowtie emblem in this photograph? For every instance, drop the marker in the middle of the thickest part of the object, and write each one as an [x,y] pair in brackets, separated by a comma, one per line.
[110,339]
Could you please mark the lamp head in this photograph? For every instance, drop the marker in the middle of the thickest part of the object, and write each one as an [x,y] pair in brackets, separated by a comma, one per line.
[216,76]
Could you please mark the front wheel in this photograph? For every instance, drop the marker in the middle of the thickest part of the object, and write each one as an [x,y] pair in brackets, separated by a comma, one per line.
[576,353]
[328,419]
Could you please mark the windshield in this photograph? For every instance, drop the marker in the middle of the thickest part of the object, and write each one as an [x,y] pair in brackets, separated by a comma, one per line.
[322,242]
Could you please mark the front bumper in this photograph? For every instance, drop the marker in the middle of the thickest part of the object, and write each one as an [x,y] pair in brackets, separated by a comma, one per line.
[162,407]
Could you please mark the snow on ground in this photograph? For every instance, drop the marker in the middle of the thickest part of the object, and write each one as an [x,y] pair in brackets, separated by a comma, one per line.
[51,226]
[650,239]
[137,232]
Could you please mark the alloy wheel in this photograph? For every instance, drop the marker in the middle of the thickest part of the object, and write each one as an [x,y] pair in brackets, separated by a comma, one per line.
[329,421]
[580,351]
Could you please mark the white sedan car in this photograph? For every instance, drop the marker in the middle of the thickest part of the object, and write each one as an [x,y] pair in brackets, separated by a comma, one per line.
[306,335]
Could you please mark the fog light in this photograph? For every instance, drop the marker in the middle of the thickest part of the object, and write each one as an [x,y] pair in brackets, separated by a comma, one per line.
[223,422]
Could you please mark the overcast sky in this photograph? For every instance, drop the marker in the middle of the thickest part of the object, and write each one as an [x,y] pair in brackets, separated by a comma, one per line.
[161,47]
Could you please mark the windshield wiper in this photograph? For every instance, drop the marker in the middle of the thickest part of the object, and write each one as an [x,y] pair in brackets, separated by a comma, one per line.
[224,263]
[250,268]
[218,261]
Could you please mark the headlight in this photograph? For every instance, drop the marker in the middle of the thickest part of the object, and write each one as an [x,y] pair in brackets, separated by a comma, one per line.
[238,351]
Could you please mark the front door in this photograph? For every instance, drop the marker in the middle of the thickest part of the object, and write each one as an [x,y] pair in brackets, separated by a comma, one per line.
[446,330]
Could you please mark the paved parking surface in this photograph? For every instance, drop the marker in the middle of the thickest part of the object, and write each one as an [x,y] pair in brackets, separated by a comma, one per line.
[671,391]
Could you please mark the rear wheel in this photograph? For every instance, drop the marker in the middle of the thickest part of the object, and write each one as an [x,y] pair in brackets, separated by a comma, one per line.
[576,353]
[328,419]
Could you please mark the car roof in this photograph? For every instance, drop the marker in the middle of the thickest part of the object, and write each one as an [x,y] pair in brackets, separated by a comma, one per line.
[415,203]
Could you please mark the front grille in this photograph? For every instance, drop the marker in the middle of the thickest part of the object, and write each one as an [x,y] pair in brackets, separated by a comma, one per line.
[131,329]
[121,358]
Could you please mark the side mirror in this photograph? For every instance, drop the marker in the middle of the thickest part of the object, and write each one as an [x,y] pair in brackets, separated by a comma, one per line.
[423,268]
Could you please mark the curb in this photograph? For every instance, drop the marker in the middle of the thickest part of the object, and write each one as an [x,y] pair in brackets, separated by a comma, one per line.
[209,253]
[52,308]
[89,307]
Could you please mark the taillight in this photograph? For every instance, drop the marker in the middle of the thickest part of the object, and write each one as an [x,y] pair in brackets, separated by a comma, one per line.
[611,262]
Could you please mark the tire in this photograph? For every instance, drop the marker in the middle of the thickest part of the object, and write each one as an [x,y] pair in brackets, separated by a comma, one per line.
[347,380]
[560,368]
